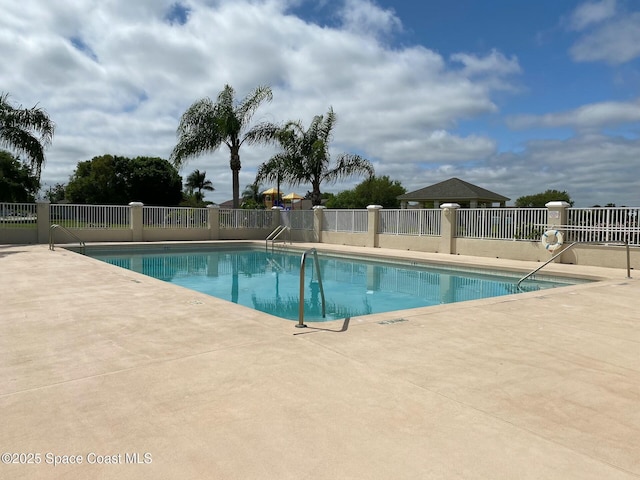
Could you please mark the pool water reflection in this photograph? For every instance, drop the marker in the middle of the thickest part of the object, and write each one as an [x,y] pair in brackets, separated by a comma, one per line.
[270,282]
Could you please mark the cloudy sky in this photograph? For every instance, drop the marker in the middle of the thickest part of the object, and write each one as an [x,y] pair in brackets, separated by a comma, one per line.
[515,96]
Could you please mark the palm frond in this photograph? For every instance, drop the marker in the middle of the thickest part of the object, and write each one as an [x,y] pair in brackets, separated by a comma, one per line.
[277,167]
[251,102]
[28,131]
[325,126]
[348,165]
[262,133]
[198,132]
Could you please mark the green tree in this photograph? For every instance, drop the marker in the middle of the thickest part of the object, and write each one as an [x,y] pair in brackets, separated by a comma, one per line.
[98,181]
[153,181]
[251,198]
[196,183]
[539,200]
[305,157]
[26,130]
[17,181]
[56,194]
[252,192]
[114,180]
[206,125]
[372,191]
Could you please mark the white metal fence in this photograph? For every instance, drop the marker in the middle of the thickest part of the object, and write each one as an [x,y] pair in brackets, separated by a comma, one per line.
[604,225]
[18,215]
[501,223]
[90,216]
[174,217]
[356,221]
[410,222]
[239,218]
[297,219]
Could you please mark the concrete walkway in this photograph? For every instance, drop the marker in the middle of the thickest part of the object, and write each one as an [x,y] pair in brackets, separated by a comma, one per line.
[136,378]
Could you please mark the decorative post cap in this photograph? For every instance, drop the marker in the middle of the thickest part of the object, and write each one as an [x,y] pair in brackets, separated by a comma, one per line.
[450,205]
[557,204]
[136,204]
[374,207]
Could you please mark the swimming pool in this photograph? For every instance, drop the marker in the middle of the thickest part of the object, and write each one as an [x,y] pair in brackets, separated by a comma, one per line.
[353,286]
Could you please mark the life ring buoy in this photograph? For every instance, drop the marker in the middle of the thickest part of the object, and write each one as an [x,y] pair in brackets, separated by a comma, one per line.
[552,240]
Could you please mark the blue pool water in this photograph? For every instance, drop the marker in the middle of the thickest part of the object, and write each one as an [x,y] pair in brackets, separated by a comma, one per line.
[270,282]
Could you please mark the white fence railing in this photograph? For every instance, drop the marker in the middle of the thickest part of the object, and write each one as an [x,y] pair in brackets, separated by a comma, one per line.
[356,221]
[597,225]
[297,219]
[174,217]
[18,215]
[410,222]
[239,218]
[90,216]
[604,225]
[501,223]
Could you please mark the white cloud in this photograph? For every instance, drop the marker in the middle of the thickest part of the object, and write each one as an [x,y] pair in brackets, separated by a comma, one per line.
[437,146]
[365,18]
[590,13]
[400,107]
[593,169]
[592,116]
[130,75]
[495,63]
[615,42]
[609,34]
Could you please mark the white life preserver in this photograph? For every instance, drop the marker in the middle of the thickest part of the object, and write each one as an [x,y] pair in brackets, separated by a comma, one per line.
[556,236]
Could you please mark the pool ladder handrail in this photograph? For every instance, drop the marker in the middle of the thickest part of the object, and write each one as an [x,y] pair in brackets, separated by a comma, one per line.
[273,236]
[55,226]
[571,245]
[317,269]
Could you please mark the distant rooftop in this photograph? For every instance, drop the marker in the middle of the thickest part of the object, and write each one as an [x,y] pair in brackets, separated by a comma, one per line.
[453,190]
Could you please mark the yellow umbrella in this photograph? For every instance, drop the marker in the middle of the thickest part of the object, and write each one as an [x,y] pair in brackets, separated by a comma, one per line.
[292,196]
[271,191]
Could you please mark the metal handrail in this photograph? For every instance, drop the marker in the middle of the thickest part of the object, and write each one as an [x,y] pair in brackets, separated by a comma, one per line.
[273,236]
[317,269]
[625,243]
[71,234]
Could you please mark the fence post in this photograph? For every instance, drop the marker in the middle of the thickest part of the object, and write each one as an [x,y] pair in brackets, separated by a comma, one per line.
[373,214]
[43,220]
[556,217]
[213,221]
[136,221]
[317,223]
[449,220]
[277,216]
[557,213]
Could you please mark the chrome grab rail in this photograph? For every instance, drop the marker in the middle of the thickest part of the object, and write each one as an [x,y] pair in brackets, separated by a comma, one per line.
[625,243]
[273,236]
[71,234]
[317,269]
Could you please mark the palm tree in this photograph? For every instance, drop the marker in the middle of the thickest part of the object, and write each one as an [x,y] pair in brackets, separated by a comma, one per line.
[27,130]
[252,192]
[198,181]
[305,157]
[206,125]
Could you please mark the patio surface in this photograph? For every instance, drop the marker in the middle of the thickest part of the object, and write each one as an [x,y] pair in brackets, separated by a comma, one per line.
[100,364]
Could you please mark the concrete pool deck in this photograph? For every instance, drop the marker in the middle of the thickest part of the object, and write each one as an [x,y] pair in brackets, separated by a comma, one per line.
[100,364]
